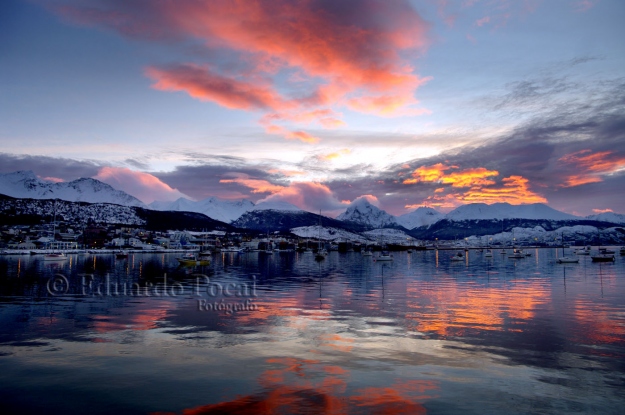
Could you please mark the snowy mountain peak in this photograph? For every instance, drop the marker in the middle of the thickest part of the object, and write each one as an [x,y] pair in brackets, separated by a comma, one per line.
[608,217]
[422,216]
[483,211]
[222,210]
[19,176]
[25,184]
[277,205]
[363,212]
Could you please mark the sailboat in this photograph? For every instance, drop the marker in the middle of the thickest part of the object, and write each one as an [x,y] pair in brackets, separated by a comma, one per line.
[517,253]
[384,256]
[489,251]
[603,255]
[566,259]
[321,253]
[458,257]
[54,256]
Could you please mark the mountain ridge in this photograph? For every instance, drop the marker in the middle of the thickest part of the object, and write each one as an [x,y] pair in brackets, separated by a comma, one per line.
[25,184]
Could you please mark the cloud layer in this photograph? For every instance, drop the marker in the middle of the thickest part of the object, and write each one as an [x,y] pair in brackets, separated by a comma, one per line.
[296,62]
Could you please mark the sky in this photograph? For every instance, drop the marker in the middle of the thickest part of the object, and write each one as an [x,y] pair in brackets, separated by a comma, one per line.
[433,103]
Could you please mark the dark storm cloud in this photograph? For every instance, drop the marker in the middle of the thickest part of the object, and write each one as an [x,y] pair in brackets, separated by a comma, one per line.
[43,166]
[202,181]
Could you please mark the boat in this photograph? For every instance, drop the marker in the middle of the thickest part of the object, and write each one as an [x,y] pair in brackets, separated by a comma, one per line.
[55,256]
[604,255]
[583,251]
[384,256]
[321,253]
[602,258]
[121,254]
[517,254]
[192,259]
[488,253]
[566,259]
[503,252]
[622,250]
[458,257]
[206,253]
[230,249]
[367,253]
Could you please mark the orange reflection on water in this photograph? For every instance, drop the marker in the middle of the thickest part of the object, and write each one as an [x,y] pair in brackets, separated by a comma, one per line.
[300,386]
[143,319]
[598,324]
[337,342]
[459,307]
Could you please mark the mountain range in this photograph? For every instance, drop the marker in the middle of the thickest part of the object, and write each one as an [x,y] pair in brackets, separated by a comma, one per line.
[25,184]
[359,216]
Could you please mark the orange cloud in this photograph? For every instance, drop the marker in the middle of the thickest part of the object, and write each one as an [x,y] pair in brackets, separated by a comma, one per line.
[590,166]
[143,186]
[602,210]
[470,177]
[427,174]
[515,190]
[464,178]
[288,173]
[322,53]
[290,135]
[335,155]
[257,185]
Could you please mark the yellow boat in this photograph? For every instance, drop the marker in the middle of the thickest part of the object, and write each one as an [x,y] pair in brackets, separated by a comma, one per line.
[191,259]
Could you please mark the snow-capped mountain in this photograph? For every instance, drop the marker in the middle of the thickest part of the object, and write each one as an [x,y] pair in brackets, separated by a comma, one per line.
[327,234]
[608,217]
[25,184]
[277,205]
[423,216]
[498,211]
[389,236]
[222,210]
[362,212]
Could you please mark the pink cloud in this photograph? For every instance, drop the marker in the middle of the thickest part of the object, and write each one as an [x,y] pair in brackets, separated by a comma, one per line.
[348,54]
[584,5]
[481,22]
[52,179]
[203,84]
[310,196]
[257,185]
[143,186]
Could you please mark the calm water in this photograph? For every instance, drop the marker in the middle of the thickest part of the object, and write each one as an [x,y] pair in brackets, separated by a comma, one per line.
[417,335]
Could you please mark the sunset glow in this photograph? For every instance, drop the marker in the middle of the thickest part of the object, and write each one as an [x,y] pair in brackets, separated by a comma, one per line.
[416,103]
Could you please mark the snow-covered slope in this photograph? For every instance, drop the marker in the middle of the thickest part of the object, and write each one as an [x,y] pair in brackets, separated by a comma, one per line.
[362,212]
[327,234]
[496,211]
[389,236]
[608,217]
[279,206]
[422,216]
[222,210]
[24,184]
